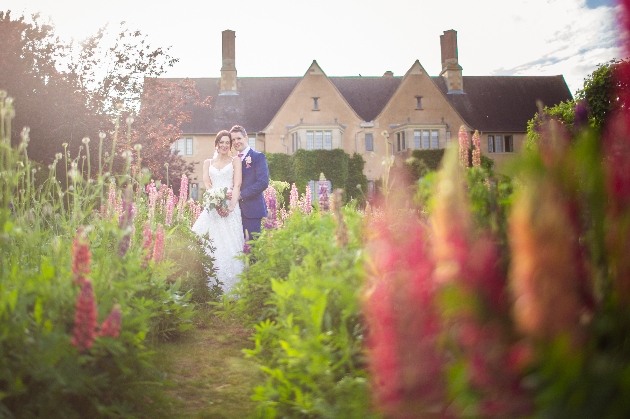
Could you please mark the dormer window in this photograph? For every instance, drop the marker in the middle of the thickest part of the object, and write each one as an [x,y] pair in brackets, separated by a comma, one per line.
[315,105]
[419,102]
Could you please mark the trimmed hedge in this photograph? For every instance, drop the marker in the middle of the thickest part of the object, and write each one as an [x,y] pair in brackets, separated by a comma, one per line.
[341,169]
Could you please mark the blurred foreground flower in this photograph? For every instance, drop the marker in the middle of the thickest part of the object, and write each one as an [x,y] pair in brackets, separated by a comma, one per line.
[81,258]
[85,318]
[405,357]
[111,325]
[546,271]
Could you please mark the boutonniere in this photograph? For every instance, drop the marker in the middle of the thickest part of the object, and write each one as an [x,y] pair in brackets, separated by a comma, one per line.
[248,161]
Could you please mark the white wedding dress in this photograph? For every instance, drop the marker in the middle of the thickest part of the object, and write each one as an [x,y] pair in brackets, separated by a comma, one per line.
[225,233]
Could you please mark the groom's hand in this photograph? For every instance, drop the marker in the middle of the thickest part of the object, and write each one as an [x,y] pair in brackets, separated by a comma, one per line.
[222,212]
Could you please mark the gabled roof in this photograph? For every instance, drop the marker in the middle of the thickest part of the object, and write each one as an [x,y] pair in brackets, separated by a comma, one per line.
[504,103]
[256,103]
[367,95]
[490,103]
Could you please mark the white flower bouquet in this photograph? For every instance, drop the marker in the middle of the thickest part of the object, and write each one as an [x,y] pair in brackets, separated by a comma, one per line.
[215,198]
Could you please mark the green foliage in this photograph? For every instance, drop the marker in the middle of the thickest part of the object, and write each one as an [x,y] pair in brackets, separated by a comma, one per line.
[192,265]
[99,81]
[341,169]
[41,373]
[603,91]
[490,200]
[303,293]
[486,162]
[356,179]
[563,112]
[283,190]
[423,161]
[280,165]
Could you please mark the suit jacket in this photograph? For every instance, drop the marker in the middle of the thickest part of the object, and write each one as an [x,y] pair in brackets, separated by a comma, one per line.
[255,181]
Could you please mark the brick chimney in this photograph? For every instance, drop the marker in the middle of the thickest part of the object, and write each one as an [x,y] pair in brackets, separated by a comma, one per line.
[228,67]
[451,70]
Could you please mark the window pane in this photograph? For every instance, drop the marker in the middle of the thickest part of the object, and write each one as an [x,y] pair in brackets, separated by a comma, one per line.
[490,144]
[404,143]
[509,144]
[369,142]
[319,144]
[189,146]
[398,141]
[435,139]
[425,139]
[417,140]
[498,143]
[309,140]
[252,142]
[180,146]
[328,140]
[448,138]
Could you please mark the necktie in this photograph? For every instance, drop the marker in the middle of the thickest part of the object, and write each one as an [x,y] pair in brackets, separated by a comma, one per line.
[240,155]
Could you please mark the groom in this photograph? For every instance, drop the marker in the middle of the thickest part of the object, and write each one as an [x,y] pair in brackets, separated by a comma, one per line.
[255,181]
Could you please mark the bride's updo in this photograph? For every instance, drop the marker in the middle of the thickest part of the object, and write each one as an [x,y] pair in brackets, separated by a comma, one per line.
[221,134]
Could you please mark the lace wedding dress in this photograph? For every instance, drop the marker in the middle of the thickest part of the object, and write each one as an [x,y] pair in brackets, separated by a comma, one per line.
[225,233]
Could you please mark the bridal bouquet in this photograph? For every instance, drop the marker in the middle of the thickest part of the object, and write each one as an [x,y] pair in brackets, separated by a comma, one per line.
[215,198]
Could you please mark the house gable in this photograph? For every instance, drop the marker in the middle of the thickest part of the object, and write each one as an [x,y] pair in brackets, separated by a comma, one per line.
[315,99]
[314,102]
[417,99]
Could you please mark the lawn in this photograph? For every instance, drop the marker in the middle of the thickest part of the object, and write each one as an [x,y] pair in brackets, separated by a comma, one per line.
[210,376]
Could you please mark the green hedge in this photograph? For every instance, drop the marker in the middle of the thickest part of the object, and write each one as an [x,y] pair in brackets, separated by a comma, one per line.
[344,171]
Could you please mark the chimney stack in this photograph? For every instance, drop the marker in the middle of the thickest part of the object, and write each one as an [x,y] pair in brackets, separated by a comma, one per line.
[451,70]
[228,67]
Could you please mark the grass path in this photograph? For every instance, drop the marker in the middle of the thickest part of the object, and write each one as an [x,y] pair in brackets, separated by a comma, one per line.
[211,377]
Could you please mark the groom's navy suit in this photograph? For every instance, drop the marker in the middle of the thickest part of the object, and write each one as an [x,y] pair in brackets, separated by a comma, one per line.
[252,201]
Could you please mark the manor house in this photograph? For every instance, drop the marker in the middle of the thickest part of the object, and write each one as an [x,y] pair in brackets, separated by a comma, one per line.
[317,111]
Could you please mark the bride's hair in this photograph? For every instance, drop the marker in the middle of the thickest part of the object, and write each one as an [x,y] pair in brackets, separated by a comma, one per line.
[221,134]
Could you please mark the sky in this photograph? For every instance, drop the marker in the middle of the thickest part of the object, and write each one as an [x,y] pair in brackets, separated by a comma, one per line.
[355,37]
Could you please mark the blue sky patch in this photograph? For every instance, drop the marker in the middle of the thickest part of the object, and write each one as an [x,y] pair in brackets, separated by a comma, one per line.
[592,4]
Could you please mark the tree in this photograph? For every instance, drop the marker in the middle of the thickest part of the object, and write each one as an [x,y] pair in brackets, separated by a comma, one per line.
[165,106]
[600,96]
[46,99]
[65,91]
[603,90]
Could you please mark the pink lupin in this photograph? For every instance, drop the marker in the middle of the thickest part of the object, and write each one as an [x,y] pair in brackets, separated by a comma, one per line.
[463,146]
[158,248]
[476,139]
[294,199]
[170,204]
[183,196]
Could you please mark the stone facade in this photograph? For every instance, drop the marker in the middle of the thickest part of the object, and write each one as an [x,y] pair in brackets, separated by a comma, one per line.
[417,110]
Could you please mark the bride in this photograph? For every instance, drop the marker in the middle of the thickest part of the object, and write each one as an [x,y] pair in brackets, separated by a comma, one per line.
[223,226]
